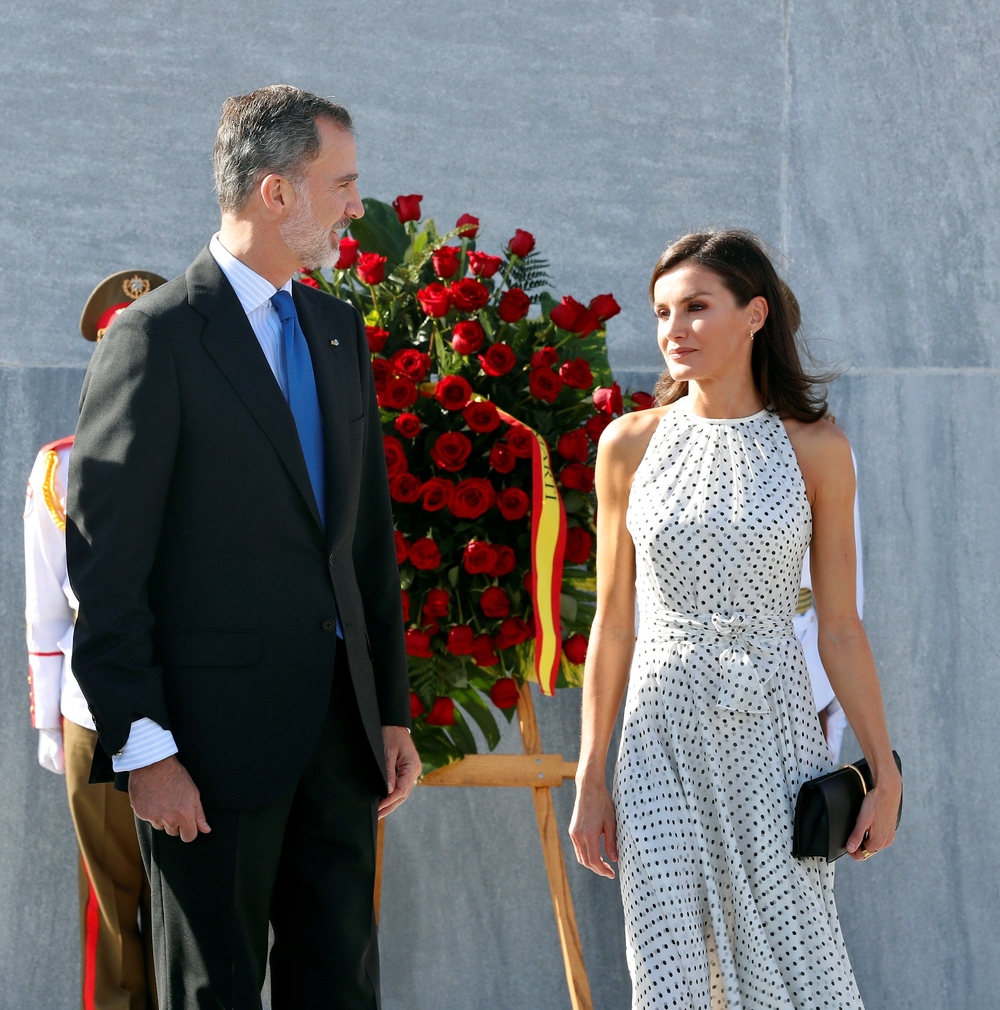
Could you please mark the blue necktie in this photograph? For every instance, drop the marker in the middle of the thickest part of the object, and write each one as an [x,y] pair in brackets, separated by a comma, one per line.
[302,397]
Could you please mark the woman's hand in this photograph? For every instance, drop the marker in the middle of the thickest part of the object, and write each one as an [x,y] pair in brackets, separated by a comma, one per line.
[876,825]
[594,816]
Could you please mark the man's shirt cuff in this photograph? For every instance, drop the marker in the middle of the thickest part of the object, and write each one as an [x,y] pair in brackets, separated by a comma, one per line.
[148,742]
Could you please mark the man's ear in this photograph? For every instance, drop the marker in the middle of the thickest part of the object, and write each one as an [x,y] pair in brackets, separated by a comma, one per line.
[277,194]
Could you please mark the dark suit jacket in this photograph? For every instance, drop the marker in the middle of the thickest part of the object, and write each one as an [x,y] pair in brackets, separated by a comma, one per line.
[208,590]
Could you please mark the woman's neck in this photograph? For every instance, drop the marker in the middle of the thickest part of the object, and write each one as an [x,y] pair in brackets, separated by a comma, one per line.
[719,398]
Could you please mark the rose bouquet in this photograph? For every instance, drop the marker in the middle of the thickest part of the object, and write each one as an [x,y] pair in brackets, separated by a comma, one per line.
[467,378]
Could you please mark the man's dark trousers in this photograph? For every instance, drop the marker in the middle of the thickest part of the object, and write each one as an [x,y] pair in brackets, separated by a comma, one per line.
[210,589]
[306,862]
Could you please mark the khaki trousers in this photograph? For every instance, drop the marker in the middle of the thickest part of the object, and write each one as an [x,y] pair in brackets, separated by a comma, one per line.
[117,956]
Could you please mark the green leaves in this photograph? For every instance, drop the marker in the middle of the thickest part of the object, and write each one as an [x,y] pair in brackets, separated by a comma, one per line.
[379,231]
[472,702]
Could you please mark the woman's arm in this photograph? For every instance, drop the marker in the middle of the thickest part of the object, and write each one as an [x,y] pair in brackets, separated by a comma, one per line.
[612,637]
[824,456]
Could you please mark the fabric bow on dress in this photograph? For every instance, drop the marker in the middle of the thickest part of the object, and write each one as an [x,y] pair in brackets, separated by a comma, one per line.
[750,651]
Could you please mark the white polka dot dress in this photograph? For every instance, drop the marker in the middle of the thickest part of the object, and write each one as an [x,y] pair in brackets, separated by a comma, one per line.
[720,731]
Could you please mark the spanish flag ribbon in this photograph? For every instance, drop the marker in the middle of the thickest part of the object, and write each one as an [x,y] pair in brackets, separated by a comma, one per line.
[548,545]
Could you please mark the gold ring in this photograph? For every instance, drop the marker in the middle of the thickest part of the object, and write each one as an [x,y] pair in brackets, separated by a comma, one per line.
[867,855]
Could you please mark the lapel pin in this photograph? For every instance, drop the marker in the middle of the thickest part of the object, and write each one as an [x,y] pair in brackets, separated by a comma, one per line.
[335,343]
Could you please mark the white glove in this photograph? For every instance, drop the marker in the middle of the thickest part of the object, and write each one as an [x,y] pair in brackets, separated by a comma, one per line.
[836,723]
[50,751]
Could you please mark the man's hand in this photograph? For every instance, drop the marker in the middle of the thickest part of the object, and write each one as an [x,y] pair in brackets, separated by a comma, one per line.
[164,795]
[50,751]
[402,767]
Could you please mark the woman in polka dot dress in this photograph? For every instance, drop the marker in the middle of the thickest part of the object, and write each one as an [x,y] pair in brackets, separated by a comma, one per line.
[707,505]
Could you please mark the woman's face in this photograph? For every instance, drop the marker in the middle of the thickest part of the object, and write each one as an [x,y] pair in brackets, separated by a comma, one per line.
[702,332]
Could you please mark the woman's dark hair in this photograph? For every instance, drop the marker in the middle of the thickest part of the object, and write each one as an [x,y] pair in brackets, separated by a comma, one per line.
[738,257]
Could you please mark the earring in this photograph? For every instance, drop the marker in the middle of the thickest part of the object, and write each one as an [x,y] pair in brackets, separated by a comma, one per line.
[751,333]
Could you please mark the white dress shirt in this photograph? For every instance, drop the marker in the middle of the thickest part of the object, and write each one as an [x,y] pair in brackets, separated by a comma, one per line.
[148,742]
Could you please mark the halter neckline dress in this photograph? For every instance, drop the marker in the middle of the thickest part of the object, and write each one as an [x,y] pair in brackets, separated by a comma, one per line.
[720,731]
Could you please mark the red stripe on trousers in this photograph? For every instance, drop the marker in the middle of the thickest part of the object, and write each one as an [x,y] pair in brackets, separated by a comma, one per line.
[92,921]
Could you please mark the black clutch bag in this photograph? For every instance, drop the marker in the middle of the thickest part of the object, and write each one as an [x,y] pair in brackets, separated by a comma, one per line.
[827,809]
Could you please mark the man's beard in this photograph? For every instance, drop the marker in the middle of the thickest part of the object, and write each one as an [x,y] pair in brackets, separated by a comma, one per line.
[315,245]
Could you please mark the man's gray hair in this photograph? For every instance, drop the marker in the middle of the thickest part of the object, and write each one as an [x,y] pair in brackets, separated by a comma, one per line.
[272,129]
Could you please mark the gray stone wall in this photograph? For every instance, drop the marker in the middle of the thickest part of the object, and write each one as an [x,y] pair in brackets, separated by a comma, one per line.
[859,140]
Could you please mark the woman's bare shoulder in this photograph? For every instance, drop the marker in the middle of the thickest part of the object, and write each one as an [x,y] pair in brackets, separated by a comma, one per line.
[822,450]
[624,441]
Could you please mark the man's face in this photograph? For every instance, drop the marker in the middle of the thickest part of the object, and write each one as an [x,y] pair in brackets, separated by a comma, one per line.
[326,199]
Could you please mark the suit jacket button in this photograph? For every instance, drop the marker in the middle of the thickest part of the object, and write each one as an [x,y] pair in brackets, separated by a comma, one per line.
[329,625]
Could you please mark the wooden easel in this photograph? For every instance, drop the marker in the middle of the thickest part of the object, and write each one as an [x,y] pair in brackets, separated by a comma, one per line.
[541,772]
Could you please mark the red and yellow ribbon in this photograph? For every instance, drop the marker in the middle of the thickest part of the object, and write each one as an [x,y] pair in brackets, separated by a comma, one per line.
[548,545]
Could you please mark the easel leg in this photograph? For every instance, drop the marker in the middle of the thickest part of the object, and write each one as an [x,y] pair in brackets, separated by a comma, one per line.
[555,866]
[379,846]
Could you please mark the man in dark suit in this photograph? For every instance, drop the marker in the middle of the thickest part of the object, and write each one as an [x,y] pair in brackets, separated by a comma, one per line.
[240,633]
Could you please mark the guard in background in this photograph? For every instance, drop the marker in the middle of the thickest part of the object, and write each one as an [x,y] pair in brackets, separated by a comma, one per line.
[117,970]
[831,715]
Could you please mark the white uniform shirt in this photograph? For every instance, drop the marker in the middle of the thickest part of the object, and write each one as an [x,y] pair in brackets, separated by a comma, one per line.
[50,605]
[148,742]
[807,625]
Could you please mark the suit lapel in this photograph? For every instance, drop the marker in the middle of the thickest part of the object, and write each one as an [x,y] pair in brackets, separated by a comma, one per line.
[229,338]
[333,404]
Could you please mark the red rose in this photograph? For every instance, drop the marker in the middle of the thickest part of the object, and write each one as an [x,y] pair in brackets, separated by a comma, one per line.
[576,374]
[513,631]
[595,425]
[308,280]
[484,265]
[544,384]
[418,643]
[544,357]
[411,363]
[405,600]
[461,640]
[408,425]
[467,337]
[575,648]
[608,399]
[578,545]
[395,458]
[371,268]
[641,400]
[504,693]
[446,260]
[402,547]
[505,562]
[398,394]
[407,208]
[348,253]
[437,493]
[570,315]
[437,603]
[468,295]
[453,392]
[376,338]
[522,443]
[430,626]
[442,713]
[469,220]
[574,446]
[404,487]
[481,416]
[424,554]
[416,705]
[473,497]
[522,243]
[382,371]
[495,602]
[451,450]
[513,503]
[483,653]
[514,305]
[478,557]
[578,477]
[604,307]
[498,360]
[501,458]
[435,299]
